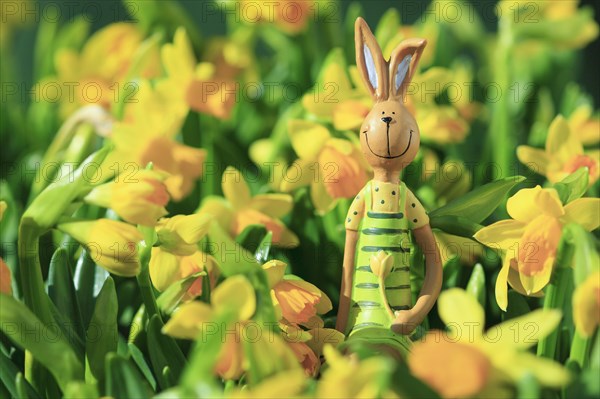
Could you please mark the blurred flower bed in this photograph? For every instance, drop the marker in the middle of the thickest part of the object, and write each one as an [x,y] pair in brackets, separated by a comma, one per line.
[172,204]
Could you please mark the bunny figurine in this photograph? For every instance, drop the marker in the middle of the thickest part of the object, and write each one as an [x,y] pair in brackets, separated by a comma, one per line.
[375,299]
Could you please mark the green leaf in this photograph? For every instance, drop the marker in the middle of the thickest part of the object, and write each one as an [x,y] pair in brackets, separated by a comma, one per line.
[476,284]
[164,352]
[89,279]
[46,345]
[262,252]
[140,361]
[251,237]
[102,333]
[170,298]
[478,204]
[573,186]
[79,390]
[62,290]
[409,386]
[232,257]
[457,225]
[122,379]
[585,254]
[24,388]
[517,306]
[11,378]
[528,387]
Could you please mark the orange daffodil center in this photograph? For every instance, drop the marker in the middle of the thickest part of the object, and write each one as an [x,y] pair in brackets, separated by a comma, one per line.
[297,300]
[333,168]
[530,239]
[240,209]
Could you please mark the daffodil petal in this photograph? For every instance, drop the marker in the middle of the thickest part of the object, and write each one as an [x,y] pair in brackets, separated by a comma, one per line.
[186,322]
[307,138]
[461,311]
[275,270]
[501,284]
[501,235]
[583,211]
[529,203]
[191,228]
[235,294]
[533,158]
[219,208]
[560,143]
[319,196]
[535,282]
[586,305]
[524,331]
[164,268]
[288,239]
[547,372]
[235,188]
[273,205]
[514,280]
[299,174]
[324,305]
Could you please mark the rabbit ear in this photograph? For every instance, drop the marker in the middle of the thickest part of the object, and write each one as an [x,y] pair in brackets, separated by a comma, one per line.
[369,61]
[403,64]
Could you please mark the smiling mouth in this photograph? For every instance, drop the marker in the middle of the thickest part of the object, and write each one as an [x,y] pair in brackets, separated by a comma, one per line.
[388,156]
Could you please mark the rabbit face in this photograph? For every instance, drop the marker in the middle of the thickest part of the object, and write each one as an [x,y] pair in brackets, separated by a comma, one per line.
[389,136]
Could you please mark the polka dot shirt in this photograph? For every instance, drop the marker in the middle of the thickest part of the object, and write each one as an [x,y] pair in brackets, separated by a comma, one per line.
[386,198]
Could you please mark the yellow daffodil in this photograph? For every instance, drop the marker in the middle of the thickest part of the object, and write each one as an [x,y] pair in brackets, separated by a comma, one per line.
[585,126]
[138,199]
[295,300]
[176,254]
[530,239]
[467,362]
[236,295]
[586,305]
[190,85]
[307,345]
[334,168]
[558,23]
[346,377]
[147,133]
[97,74]
[563,155]
[111,244]
[332,89]
[240,209]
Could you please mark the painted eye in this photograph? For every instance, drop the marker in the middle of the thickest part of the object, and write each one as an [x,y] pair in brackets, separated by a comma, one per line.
[383,113]
[393,113]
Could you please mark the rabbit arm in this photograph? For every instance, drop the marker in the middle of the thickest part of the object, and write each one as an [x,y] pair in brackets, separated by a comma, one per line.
[407,320]
[347,277]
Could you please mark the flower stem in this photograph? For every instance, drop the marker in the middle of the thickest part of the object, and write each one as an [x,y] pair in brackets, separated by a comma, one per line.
[501,129]
[580,348]
[143,280]
[556,295]
[35,297]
